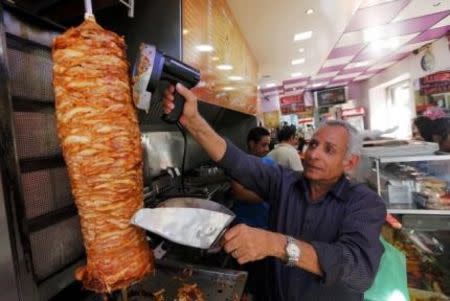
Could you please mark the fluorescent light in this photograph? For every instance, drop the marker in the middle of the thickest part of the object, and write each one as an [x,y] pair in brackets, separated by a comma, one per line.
[298,61]
[309,11]
[215,58]
[388,44]
[270,85]
[185,31]
[235,78]
[228,88]
[204,48]
[224,67]
[372,34]
[301,50]
[296,74]
[302,36]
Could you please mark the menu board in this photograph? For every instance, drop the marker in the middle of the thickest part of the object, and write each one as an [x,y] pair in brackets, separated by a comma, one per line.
[210,23]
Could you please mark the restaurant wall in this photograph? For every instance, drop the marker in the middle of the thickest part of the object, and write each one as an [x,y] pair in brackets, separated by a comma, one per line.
[408,68]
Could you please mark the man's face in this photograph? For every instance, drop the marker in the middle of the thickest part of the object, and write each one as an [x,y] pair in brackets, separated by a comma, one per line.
[259,148]
[326,156]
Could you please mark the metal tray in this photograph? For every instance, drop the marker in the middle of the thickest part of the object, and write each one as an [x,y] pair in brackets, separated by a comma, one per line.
[216,284]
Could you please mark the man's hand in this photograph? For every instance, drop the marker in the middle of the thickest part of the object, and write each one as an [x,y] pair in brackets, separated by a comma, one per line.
[190,111]
[248,244]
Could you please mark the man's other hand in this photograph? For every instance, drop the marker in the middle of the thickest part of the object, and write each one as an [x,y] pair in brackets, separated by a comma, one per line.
[248,244]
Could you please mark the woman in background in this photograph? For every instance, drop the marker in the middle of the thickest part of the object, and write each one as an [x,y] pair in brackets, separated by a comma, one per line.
[441,133]
[422,129]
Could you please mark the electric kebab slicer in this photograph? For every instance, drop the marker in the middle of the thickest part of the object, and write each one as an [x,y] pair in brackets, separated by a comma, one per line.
[151,69]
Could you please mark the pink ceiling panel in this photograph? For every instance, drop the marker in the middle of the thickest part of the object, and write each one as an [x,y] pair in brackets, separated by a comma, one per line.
[341,81]
[431,34]
[376,15]
[345,51]
[321,80]
[273,89]
[295,80]
[371,52]
[332,69]
[409,26]
[353,70]
[395,57]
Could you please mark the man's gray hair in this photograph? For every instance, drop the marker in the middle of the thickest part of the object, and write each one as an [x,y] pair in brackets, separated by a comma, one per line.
[354,137]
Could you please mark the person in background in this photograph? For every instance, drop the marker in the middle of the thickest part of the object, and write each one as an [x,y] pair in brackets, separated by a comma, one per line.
[285,153]
[441,133]
[433,111]
[251,210]
[301,144]
[323,238]
[422,129]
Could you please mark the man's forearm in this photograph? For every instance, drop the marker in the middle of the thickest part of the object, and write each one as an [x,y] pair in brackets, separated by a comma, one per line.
[243,194]
[204,134]
[308,258]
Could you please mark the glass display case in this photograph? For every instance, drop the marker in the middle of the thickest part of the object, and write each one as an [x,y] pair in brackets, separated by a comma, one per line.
[416,192]
[412,184]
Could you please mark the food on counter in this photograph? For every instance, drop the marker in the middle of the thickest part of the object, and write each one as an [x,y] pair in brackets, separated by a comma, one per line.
[100,139]
[190,292]
[420,295]
[159,295]
[424,270]
[433,193]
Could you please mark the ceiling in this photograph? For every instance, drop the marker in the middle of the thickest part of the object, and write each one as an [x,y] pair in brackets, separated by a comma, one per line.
[352,39]
[269,27]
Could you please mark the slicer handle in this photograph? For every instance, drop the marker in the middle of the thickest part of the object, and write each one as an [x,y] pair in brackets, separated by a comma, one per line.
[177,111]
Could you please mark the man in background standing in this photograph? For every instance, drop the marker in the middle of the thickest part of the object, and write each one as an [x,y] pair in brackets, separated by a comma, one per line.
[285,153]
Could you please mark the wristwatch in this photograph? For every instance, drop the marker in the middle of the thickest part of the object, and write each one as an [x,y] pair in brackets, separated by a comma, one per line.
[293,252]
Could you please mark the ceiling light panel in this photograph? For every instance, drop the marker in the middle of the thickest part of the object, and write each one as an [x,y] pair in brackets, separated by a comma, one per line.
[301,36]
[297,61]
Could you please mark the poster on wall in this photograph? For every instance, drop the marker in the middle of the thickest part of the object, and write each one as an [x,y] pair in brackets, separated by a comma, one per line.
[434,91]
[270,102]
[271,119]
[292,104]
[435,83]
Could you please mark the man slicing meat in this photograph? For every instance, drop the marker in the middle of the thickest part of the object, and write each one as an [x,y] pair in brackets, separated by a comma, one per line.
[323,239]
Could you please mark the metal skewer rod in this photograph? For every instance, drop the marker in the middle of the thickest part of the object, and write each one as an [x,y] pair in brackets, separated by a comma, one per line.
[88,10]
[124,294]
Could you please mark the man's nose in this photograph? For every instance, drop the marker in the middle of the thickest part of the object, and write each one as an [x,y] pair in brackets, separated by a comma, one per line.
[313,153]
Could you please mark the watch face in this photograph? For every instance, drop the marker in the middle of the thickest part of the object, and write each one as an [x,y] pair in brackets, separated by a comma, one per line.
[292,249]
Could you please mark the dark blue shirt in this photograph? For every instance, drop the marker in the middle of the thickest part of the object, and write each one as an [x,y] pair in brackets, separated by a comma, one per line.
[253,214]
[343,227]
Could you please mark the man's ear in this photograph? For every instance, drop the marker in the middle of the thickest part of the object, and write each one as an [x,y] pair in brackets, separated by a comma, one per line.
[251,145]
[351,162]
